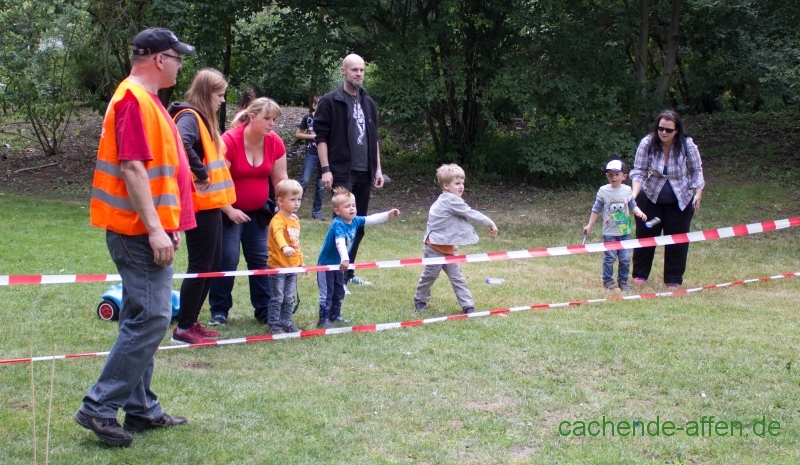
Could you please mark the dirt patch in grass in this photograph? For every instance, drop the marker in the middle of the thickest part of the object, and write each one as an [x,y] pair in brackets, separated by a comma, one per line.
[501,404]
[17,404]
[522,452]
[198,365]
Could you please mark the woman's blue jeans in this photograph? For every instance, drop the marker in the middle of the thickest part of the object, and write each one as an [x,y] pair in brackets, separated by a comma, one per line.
[253,239]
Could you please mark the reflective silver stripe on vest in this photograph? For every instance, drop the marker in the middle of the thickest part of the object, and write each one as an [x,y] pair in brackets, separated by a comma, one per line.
[121,203]
[161,172]
[165,200]
[219,186]
[108,168]
[115,170]
[216,165]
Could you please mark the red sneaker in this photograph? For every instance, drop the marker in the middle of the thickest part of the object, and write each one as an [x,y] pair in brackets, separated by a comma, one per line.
[205,332]
[189,337]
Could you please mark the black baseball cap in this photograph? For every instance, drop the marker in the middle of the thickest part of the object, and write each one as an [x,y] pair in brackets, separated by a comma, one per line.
[157,40]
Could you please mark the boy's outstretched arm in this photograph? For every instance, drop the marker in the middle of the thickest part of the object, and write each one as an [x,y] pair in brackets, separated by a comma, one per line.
[640,214]
[378,218]
[493,229]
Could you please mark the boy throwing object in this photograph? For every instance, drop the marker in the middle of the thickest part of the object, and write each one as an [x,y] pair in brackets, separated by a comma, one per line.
[448,227]
[335,251]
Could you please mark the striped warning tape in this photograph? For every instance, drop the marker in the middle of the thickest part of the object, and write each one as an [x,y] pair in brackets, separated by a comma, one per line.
[406,324]
[698,236]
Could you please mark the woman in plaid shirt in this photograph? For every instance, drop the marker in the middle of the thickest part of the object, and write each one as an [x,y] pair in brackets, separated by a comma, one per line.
[668,182]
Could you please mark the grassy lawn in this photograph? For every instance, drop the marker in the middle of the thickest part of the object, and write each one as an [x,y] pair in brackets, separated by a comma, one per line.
[484,390]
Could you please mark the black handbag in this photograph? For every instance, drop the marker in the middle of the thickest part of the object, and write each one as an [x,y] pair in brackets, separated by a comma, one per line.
[265,214]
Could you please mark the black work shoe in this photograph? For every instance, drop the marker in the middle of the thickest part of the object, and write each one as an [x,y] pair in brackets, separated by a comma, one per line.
[106,429]
[138,424]
[420,306]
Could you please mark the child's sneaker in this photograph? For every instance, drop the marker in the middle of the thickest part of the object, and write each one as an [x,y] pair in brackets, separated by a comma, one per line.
[217,320]
[673,286]
[341,320]
[357,280]
[420,306]
[324,324]
[346,290]
[318,216]
[290,328]
[624,286]
[468,310]
[274,330]
[639,280]
[609,285]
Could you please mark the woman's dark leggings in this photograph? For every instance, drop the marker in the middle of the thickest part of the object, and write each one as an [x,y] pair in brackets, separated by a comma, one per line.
[673,221]
[204,247]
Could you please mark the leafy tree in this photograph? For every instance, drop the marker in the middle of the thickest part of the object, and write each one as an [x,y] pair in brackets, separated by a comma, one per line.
[40,39]
[464,68]
[289,64]
[116,23]
[209,25]
[740,55]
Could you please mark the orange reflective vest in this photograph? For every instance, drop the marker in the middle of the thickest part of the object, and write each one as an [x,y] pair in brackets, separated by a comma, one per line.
[220,191]
[111,207]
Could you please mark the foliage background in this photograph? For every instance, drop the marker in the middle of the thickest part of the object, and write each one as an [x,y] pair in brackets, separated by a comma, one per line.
[538,90]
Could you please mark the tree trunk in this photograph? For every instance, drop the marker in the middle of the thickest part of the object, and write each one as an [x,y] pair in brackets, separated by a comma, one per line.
[671,51]
[226,70]
[641,48]
[316,67]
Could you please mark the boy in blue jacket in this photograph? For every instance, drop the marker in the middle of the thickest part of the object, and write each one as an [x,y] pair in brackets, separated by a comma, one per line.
[335,251]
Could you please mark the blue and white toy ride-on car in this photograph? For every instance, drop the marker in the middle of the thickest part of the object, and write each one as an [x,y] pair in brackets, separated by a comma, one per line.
[108,309]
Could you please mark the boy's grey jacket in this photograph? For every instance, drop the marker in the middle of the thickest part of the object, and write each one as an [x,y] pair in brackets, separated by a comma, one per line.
[448,221]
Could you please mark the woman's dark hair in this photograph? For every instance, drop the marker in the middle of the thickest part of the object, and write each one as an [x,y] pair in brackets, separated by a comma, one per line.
[680,136]
[247,98]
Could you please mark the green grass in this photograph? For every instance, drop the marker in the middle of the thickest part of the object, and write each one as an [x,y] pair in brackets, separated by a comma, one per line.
[486,390]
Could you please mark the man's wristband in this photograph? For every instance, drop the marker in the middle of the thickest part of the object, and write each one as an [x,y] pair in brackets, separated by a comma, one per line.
[325,169]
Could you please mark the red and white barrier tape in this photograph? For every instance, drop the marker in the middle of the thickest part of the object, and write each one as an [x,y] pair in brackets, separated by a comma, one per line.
[406,324]
[698,236]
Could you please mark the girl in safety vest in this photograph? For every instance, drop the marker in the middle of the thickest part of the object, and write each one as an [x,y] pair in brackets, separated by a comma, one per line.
[197,123]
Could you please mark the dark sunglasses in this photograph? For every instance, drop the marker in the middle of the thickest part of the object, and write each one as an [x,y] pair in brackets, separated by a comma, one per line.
[667,130]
